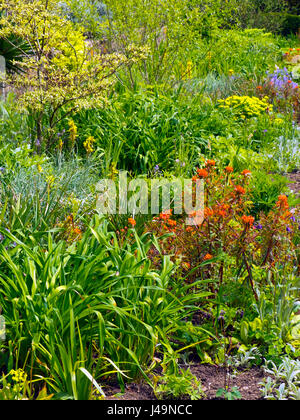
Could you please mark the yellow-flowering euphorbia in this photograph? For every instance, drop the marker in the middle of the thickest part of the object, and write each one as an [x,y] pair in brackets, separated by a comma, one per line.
[247,106]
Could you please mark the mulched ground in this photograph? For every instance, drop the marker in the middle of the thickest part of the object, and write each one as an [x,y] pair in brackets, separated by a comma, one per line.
[212,378]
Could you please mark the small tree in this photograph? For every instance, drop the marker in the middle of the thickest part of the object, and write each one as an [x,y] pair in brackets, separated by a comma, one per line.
[64,73]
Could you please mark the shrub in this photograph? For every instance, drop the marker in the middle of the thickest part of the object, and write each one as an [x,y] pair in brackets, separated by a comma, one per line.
[291,24]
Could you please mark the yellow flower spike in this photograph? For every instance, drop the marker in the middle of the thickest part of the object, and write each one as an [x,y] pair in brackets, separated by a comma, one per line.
[88,144]
[73,133]
[50,180]
[60,145]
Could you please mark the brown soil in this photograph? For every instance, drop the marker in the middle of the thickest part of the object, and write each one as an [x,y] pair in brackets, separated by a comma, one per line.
[295,182]
[212,379]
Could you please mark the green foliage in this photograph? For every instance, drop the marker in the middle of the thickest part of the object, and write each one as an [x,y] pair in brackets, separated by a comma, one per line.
[230,395]
[265,191]
[65,298]
[85,13]
[169,30]
[291,24]
[14,50]
[160,89]
[142,130]
[179,386]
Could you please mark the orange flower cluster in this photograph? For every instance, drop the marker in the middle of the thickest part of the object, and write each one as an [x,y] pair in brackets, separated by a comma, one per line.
[228,227]
[282,202]
[208,212]
[222,210]
[229,169]
[132,222]
[207,257]
[210,163]
[165,215]
[202,173]
[172,223]
[71,232]
[248,221]
[239,190]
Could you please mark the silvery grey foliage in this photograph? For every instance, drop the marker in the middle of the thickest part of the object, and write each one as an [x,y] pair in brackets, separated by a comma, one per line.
[284,382]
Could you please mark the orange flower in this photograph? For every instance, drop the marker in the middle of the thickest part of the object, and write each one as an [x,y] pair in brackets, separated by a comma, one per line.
[246,172]
[202,173]
[259,87]
[282,202]
[131,221]
[239,189]
[222,213]
[210,163]
[229,169]
[186,265]
[77,231]
[208,212]
[165,215]
[282,198]
[172,223]
[189,229]
[207,257]
[248,220]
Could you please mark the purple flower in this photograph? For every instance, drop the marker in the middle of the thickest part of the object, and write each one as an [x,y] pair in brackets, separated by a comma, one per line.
[288,229]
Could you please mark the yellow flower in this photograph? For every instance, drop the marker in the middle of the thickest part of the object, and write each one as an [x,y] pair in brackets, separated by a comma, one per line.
[88,144]
[187,72]
[73,132]
[113,170]
[50,180]
[60,145]
[18,376]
